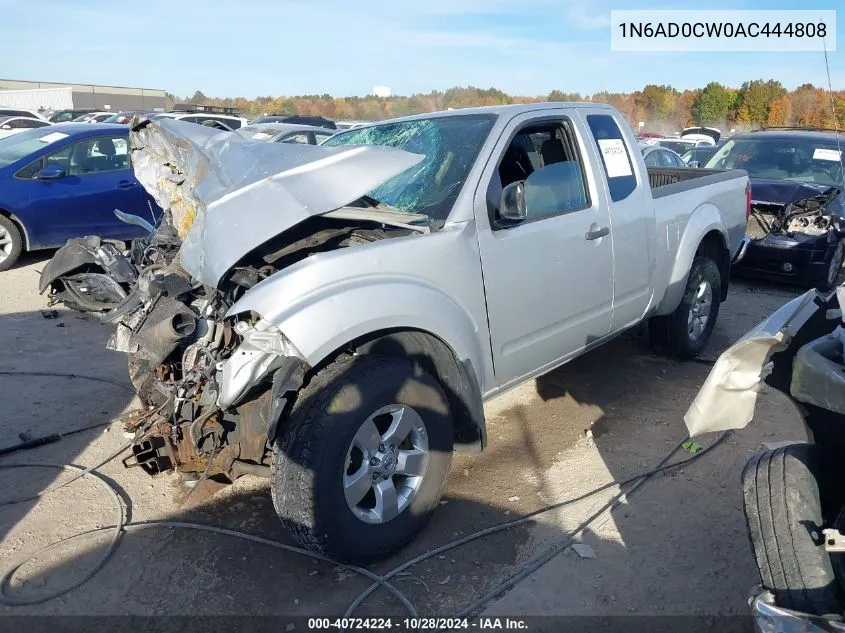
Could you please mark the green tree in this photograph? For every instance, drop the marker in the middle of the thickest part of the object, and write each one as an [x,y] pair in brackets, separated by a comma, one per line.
[559,95]
[755,99]
[714,104]
[198,97]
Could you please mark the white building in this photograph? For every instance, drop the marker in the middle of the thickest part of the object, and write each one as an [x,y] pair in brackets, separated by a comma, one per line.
[382,91]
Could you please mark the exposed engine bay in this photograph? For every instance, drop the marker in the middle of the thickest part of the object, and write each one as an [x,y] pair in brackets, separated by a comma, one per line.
[800,221]
[213,388]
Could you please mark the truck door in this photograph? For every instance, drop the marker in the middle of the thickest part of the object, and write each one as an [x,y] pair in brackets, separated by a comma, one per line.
[631,217]
[548,278]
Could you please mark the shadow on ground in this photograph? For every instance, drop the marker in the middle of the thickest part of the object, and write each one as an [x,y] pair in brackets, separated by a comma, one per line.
[676,547]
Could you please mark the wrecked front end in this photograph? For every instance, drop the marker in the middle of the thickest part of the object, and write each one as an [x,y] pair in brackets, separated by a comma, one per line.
[795,232]
[214,381]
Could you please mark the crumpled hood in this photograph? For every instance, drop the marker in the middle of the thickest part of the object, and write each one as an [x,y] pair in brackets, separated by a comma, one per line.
[228,195]
[781,192]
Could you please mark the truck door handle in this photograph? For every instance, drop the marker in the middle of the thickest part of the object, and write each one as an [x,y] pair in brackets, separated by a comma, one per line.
[126,184]
[594,235]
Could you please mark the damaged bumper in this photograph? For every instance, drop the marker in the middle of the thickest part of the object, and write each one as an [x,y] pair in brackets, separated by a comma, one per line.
[770,618]
[85,252]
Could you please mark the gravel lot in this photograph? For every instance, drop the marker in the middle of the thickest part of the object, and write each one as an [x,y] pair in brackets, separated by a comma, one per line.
[676,546]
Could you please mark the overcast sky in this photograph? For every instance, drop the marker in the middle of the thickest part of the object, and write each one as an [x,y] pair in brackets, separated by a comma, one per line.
[288,47]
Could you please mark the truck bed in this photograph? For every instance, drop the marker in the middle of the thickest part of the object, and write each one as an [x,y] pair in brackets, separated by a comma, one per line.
[663,176]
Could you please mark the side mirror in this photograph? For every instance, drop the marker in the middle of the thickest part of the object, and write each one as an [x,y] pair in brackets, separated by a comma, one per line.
[50,172]
[512,205]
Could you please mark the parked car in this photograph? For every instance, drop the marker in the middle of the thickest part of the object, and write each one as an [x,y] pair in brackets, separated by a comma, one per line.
[793,494]
[797,203]
[349,125]
[285,133]
[93,117]
[334,310]
[655,156]
[125,116]
[29,114]
[65,181]
[65,116]
[217,121]
[10,125]
[300,119]
[698,156]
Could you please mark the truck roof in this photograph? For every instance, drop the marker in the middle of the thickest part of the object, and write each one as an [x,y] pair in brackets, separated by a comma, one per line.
[512,110]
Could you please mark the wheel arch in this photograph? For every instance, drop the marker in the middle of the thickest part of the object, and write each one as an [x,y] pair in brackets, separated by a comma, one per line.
[18,224]
[434,356]
[714,246]
[704,230]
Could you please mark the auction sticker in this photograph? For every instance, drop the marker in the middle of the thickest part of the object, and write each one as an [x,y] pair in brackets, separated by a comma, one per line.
[53,137]
[827,154]
[615,157]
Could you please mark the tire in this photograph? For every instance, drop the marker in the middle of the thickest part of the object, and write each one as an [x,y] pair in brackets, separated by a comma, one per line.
[313,458]
[783,513]
[11,243]
[827,280]
[673,332]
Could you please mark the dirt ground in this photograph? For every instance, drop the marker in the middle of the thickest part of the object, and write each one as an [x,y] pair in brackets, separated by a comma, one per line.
[675,546]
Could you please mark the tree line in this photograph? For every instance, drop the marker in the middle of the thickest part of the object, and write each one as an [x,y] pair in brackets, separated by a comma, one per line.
[755,104]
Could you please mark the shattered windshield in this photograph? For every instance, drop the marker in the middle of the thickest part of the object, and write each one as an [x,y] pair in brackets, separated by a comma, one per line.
[789,160]
[450,145]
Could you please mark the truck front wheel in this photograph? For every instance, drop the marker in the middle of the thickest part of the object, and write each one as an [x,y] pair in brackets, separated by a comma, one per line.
[362,461]
[686,331]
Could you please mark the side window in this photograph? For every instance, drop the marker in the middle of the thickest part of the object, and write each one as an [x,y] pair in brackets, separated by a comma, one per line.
[92,156]
[546,158]
[28,124]
[617,163]
[319,137]
[667,160]
[233,124]
[191,119]
[652,159]
[296,138]
[30,170]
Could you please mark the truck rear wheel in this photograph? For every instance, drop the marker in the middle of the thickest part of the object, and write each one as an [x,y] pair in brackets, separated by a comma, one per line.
[783,512]
[362,461]
[686,331]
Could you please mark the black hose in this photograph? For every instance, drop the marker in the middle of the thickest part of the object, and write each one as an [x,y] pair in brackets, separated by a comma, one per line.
[55,374]
[379,581]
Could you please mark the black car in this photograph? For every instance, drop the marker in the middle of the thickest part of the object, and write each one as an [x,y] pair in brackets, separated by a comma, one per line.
[797,203]
[301,119]
[63,116]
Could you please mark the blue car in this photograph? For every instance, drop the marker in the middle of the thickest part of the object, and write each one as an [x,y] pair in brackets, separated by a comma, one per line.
[64,181]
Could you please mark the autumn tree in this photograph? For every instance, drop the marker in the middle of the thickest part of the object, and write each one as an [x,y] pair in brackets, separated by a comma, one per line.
[779,112]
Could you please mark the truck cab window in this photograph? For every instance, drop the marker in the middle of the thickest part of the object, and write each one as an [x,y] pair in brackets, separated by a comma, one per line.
[546,159]
[621,180]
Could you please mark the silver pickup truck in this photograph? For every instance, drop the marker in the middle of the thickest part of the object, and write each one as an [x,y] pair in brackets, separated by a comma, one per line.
[339,313]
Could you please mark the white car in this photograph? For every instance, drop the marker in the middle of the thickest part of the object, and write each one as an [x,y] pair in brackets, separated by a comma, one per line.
[13,124]
[93,117]
[29,114]
[220,121]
